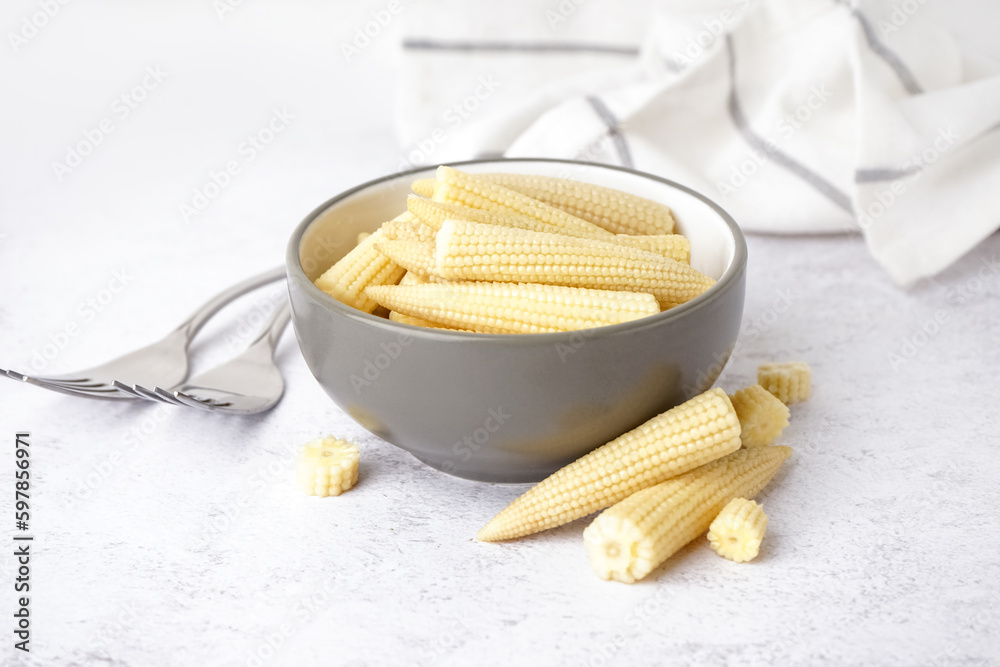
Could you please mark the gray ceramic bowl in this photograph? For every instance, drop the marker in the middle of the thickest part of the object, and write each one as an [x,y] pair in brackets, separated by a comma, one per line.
[512,408]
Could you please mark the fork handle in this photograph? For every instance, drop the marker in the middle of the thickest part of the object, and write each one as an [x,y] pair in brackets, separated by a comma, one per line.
[271,333]
[191,326]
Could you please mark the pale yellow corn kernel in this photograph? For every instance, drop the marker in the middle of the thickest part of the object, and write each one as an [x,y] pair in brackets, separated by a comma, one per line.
[762,416]
[414,256]
[423,187]
[672,443]
[361,237]
[457,187]
[631,539]
[434,214]
[614,210]
[739,529]
[510,308]
[790,381]
[416,321]
[472,251]
[346,280]
[414,230]
[327,466]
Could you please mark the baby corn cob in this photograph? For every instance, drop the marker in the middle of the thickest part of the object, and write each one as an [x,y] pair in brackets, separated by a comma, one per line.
[414,230]
[737,532]
[674,442]
[346,280]
[457,187]
[418,322]
[327,466]
[762,416]
[790,381]
[414,256]
[434,214]
[629,540]
[616,211]
[472,251]
[423,187]
[514,308]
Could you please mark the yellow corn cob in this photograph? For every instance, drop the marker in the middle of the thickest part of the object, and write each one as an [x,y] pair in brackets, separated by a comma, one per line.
[471,251]
[629,540]
[514,308]
[414,256]
[327,466]
[737,532]
[346,280]
[414,321]
[790,381]
[457,187]
[361,237]
[613,210]
[423,187]
[414,230]
[672,443]
[434,214]
[762,416]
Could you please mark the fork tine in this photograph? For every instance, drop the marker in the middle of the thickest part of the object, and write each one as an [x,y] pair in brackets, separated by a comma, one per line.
[193,402]
[126,389]
[102,394]
[148,394]
[166,396]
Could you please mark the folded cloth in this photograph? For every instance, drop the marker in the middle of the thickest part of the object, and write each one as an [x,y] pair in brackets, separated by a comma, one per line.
[798,116]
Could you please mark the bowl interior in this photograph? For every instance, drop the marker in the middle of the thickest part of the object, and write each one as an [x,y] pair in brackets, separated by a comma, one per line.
[334,231]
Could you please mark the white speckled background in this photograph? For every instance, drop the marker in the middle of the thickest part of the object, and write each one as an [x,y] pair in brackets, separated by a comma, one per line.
[173,537]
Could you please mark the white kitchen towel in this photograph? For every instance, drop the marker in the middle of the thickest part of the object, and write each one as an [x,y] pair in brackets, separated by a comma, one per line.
[798,116]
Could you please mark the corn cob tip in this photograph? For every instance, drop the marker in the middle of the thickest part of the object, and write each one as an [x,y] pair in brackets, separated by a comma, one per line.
[762,415]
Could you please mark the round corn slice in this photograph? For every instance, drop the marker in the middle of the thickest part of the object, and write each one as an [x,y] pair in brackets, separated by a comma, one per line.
[762,416]
[327,466]
[737,532]
[790,381]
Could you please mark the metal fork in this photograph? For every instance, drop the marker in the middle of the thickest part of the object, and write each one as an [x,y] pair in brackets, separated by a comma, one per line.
[249,383]
[164,363]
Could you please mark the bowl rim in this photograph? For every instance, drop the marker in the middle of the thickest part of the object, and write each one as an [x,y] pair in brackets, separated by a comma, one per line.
[296,274]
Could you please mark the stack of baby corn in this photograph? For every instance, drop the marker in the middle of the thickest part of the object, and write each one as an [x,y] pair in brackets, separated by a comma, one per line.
[508,253]
[686,471]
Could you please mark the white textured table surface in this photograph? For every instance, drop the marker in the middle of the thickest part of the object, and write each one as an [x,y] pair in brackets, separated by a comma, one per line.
[172,537]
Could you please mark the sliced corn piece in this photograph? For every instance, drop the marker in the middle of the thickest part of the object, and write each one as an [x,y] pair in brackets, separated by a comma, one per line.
[674,442]
[737,532]
[472,251]
[434,214]
[514,308]
[631,539]
[614,210]
[457,187]
[790,381]
[414,256]
[762,416]
[346,280]
[327,466]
